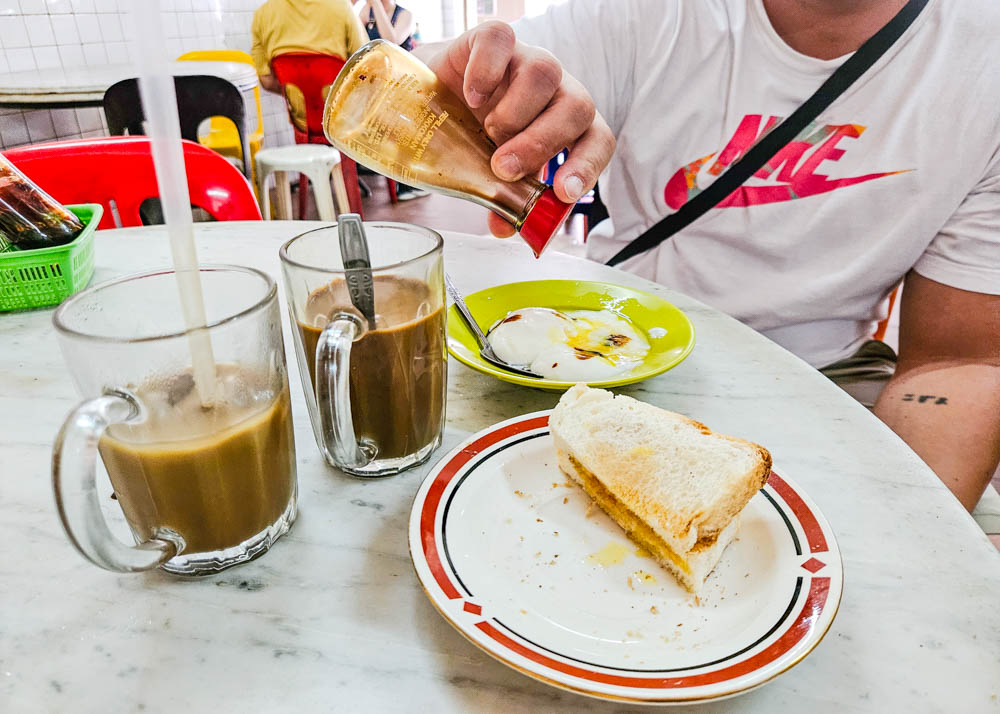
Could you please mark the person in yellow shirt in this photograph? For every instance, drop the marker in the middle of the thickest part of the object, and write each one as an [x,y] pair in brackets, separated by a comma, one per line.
[327,26]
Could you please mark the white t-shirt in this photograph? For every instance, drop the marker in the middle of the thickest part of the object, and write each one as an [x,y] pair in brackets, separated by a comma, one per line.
[902,171]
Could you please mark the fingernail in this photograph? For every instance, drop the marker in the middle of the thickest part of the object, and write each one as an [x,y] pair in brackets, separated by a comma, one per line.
[509,167]
[573,187]
[476,98]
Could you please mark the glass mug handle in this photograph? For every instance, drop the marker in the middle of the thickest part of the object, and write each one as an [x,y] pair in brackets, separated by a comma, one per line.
[333,391]
[74,479]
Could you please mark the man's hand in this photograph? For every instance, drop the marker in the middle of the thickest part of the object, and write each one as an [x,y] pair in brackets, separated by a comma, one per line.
[529,107]
[944,399]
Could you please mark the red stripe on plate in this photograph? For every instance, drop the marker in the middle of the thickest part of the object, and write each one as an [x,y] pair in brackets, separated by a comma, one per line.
[819,589]
[814,534]
[441,481]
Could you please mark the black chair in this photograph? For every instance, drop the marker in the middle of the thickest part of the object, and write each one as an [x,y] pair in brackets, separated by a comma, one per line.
[199,97]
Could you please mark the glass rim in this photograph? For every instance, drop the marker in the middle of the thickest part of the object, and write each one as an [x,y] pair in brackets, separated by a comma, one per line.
[436,237]
[59,321]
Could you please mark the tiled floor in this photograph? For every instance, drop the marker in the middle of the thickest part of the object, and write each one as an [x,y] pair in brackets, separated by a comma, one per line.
[434,211]
[444,213]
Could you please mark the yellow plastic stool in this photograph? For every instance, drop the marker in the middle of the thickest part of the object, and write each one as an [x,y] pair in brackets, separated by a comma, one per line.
[222,137]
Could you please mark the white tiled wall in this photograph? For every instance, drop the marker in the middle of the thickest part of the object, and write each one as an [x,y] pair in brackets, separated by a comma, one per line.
[42,34]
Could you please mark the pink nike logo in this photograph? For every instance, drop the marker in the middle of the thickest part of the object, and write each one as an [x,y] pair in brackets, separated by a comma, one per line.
[794,166]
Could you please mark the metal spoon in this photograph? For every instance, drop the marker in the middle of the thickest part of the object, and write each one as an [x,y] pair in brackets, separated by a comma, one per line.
[485,350]
[357,265]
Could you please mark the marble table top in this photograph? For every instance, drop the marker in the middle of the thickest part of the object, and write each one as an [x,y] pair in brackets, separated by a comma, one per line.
[333,618]
[86,85]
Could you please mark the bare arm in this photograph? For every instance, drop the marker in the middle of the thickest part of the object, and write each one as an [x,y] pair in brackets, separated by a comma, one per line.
[944,400]
[261,60]
[395,34]
[270,83]
[357,35]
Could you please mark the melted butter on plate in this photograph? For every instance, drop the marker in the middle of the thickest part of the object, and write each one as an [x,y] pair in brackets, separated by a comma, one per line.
[611,554]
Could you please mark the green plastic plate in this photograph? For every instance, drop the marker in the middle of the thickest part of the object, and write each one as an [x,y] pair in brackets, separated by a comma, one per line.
[669,331]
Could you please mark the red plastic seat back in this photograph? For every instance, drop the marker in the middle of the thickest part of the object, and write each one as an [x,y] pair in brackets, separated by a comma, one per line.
[312,73]
[121,169]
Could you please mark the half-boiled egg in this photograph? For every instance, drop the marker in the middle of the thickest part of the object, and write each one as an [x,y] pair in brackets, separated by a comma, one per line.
[570,346]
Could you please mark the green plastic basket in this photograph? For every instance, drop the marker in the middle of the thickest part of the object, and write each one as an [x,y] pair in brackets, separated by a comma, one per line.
[47,276]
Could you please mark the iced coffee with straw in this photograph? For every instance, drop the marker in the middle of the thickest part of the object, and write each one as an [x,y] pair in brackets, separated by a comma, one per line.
[203,485]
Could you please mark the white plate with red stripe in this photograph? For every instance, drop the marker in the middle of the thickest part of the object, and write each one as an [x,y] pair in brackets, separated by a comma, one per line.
[516,558]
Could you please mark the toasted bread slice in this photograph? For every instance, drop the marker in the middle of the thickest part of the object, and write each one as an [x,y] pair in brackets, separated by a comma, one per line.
[671,483]
[691,568]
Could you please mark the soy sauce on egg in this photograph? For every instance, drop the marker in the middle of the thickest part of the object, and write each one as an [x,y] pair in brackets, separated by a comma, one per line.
[570,346]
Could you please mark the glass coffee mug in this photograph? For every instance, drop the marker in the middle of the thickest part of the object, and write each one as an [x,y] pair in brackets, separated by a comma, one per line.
[204,481]
[376,395]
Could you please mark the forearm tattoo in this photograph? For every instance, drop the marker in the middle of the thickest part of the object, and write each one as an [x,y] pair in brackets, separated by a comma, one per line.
[924,398]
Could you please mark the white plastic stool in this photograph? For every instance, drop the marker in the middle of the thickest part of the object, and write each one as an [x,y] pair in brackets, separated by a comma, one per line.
[315,161]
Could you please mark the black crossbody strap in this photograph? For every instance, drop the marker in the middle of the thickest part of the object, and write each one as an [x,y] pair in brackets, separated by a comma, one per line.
[775,140]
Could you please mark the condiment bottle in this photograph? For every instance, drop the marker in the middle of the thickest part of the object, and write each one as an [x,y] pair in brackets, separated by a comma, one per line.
[389,111]
[29,217]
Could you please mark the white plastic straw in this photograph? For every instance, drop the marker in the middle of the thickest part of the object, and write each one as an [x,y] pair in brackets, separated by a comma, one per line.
[159,101]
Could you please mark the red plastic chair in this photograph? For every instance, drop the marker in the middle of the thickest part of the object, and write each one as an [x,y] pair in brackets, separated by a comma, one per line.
[312,73]
[120,169]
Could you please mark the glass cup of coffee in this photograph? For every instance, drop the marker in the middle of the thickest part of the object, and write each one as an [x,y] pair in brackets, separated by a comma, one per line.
[376,393]
[204,472]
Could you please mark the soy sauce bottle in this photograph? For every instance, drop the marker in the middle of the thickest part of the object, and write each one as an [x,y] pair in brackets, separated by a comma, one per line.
[388,111]
[29,217]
